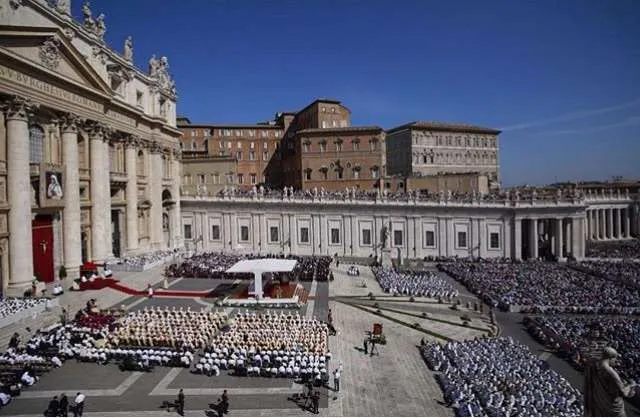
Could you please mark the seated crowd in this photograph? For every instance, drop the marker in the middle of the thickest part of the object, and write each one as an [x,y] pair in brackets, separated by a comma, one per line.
[270,344]
[571,338]
[499,377]
[413,283]
[614,249]
[537,286]
[144,260]
[625,272]
[213,265]
[163,327]
[12,306]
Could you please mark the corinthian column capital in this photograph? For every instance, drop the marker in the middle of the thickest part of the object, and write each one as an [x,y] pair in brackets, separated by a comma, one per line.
[155,147]
[132,141]
[19,108]
[97,130]
[70,123]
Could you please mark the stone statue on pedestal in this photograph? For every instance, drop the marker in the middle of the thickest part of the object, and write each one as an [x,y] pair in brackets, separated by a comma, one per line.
[88,21]
[261,190]
[449,195]
[128,49]
[63,6]
[604,390]
[154,64]
[384,236]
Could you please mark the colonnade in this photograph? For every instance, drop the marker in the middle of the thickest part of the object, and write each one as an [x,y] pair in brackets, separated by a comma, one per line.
[18,112]
[556,236]
[612,223]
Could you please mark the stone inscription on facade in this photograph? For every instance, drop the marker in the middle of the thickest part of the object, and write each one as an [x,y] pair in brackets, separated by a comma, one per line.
[34,83]
[120,117]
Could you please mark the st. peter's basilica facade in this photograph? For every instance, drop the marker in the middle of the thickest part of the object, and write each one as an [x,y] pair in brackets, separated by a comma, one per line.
[89,154]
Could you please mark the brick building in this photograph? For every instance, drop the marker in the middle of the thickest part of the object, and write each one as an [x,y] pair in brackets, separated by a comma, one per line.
[233,154]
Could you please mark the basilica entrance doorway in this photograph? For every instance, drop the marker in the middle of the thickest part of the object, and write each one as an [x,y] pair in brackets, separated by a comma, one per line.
[42,247]
[115,232]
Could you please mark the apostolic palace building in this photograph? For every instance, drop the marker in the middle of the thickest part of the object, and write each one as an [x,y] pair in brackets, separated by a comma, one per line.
[93,166]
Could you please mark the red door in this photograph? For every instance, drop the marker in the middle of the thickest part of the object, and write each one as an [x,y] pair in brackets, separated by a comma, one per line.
[42,227]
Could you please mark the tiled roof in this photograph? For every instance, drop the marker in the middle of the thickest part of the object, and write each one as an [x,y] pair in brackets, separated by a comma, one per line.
[338,130]
[445,126]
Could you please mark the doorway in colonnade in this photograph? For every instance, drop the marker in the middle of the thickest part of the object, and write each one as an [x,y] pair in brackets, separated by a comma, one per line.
[42,248]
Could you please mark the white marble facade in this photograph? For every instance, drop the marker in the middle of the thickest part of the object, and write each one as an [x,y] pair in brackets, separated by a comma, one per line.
[77,110]
[517,230]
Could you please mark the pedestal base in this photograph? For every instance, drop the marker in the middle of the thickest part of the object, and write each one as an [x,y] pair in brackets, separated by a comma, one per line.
[385,258]
[17,290]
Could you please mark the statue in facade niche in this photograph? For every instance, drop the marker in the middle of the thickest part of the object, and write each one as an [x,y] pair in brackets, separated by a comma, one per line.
[127,53]
[88,21]
[101,28]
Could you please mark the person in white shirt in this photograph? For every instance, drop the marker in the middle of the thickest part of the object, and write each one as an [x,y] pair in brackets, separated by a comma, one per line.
[5,398]
[336,380]
[27,379]
[78,404]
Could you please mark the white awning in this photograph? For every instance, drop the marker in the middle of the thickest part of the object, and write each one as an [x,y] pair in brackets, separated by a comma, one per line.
[263,265]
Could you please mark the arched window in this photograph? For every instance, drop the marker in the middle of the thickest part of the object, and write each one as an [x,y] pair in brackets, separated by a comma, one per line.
[36,144]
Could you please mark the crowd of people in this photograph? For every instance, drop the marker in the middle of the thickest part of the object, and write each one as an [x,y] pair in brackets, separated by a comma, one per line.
[501,195]
[541,287]
[12,306]
[499,377]
[143,261]
[625,272]
[408,283]
[169,328]
[269,345]
[614,249]
[213,265]
[572,337]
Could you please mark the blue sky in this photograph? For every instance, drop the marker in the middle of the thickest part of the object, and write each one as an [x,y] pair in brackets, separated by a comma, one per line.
[562,78]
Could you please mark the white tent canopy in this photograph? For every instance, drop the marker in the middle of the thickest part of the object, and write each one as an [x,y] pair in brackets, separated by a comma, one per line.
[262,265]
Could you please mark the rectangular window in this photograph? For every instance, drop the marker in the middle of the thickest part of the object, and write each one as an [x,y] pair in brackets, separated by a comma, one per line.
[304,235]
[307,174]
[397,238]
[305,147]
[187,232]
[430,239]
[274,234]
[339,174]
[239,144]
[206,132]
[215,232]
[228,144]
[462,239]
[366,237]
[244,233]
[253,178]
[494,240]
[252,156]
[356,145]
[323,147]
[239,155]
[240,178]
[139,98]
[338,146]
[265,156]
[335,236]
[265,145]
[253,144]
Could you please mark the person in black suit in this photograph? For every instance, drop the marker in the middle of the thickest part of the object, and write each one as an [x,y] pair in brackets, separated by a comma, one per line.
[180,403]
[63,406]
[52,410]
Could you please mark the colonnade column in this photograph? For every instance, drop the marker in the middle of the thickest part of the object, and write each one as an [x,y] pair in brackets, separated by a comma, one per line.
[599,224]
[100,202]
[19,194]
[155,192]
[627,222]
[559,238]
[132,194]
[533,239]
[517,244]
[618,223]
[176,215]
[568,237]
[72,215]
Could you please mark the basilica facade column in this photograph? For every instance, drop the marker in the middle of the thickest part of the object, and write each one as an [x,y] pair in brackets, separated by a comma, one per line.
[72,220]
[176,215]
[627,222]
[599,224]
[100,202]
[131,194]
[610,223]
[517,239]
[568,237]
[19,194]
[155,194]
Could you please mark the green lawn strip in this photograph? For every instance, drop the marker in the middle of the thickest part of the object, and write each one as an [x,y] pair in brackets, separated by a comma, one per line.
[397,321]
[444,321]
